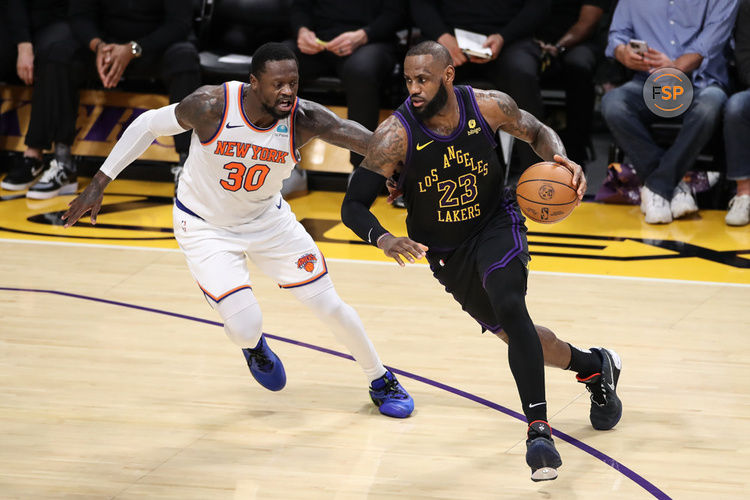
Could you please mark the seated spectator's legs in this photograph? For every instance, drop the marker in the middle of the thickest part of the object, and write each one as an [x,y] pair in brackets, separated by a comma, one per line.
[698,125]
[52,116]
[181,73]
[737,144]
[179,69]
[8,56]
[627,118]
[364,73]
[579,64]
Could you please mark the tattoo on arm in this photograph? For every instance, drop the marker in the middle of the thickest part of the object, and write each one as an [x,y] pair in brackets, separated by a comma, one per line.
[388,147]
[202,110]
[523,125]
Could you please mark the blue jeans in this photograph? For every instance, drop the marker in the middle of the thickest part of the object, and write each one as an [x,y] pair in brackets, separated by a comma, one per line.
[628,118]
[737,136]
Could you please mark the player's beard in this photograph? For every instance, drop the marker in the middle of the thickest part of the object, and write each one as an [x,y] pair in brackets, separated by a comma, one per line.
[277,115]
[432,108]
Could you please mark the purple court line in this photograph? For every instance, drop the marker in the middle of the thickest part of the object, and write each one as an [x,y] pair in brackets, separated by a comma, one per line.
[626,471]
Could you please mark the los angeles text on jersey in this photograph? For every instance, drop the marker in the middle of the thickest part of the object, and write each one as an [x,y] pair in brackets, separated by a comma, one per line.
[242,149]
[457,194]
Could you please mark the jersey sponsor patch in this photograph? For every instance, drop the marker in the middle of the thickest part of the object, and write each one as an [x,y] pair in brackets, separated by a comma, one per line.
[307,262]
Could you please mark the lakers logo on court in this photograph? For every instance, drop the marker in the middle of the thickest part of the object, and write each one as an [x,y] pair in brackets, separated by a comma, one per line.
[307,262]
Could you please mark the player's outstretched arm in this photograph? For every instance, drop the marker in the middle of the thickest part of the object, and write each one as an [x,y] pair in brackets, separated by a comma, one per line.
[198,111]
[501,111]
[386,152]
[315,120]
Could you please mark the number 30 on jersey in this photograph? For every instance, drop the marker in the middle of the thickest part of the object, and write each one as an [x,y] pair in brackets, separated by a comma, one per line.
[239,176]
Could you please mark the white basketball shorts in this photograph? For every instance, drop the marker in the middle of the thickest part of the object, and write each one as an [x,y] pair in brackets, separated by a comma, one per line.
[275,241]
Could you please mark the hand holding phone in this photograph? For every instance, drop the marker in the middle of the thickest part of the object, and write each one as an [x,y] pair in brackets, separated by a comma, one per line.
[638,46]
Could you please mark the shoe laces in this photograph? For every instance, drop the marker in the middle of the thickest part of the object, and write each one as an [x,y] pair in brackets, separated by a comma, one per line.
[51,173]
[392,388]
[261,358]
[742,202]
[657,201]
[595,386]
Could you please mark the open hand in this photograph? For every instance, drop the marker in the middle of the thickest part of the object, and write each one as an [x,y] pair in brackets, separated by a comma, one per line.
[398,247]
[89,200]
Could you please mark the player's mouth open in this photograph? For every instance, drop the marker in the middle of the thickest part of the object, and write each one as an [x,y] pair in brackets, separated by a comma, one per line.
[417,102]
[284,105]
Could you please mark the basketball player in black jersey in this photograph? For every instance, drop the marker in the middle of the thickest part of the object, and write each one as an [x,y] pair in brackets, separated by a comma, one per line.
[441,143]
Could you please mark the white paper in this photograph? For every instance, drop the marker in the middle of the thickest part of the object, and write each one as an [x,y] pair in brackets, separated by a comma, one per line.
[471,43]
[235,59]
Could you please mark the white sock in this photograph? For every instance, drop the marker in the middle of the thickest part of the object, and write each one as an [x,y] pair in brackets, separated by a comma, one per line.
[345,324]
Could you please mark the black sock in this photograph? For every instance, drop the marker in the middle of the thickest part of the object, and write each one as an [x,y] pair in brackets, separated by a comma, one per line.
[584,363]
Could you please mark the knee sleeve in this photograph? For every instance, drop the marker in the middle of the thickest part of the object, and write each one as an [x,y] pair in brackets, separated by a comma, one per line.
[243,320]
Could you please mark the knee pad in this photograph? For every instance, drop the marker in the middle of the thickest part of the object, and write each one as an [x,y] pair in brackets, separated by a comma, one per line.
[243,320]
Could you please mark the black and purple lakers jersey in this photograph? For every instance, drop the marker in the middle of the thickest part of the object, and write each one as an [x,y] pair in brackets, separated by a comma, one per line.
[451,184]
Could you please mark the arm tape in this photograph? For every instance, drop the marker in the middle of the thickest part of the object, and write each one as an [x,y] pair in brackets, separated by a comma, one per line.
[139,136]
[364,187]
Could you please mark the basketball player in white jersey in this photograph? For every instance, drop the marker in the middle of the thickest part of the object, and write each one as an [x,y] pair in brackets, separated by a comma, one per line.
[228,206]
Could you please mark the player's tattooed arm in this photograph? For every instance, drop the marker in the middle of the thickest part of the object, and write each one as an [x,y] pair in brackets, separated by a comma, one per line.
[386,152]
[501,111]
[202,111]
[315,120]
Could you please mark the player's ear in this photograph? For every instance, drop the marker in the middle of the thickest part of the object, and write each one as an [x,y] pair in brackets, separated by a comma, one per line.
[253,82]
[449,74]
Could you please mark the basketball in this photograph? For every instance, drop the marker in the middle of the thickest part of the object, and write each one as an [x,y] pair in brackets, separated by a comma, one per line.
[545,192]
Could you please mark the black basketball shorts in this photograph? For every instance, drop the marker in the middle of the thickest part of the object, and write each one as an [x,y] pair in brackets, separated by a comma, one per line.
[463,272]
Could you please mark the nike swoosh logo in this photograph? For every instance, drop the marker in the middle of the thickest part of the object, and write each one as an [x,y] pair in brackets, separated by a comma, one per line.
[279,205]
[37,170]
[537,404]
[369,233]
[420,147]
[233,126]
[611,381]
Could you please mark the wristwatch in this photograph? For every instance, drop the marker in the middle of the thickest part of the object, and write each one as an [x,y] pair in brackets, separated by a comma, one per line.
[135,49]
[560,49]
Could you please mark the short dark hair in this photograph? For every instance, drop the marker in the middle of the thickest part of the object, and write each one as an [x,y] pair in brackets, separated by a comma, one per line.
[434,49]
[271,51]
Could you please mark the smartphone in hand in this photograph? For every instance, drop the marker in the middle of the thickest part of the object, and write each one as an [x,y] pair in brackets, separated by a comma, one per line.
[638,46]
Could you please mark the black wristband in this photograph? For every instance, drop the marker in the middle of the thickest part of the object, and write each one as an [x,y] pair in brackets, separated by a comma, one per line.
[364,187]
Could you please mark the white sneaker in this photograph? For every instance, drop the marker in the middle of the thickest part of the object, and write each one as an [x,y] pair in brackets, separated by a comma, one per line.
[656,207]
[682,203]
[644,198]
[59,179]
[739,211]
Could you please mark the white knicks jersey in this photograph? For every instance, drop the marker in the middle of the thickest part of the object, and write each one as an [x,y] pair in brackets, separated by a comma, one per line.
[231,178]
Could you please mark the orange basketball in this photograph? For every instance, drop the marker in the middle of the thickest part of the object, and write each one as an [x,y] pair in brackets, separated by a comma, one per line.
[545,192]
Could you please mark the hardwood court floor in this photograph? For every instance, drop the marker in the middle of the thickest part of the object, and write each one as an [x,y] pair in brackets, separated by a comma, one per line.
[118,383]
